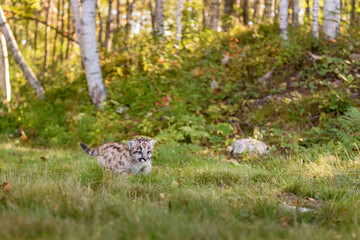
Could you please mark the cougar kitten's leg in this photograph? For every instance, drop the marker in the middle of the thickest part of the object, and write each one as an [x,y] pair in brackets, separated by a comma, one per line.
[146,170]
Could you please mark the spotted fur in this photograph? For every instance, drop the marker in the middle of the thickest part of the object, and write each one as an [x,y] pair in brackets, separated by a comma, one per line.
[134,157]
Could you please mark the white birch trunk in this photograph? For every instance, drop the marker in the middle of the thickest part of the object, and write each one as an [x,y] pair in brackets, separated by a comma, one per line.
[159,14]
[331,18]
[4,68]
[84,19]
[283,6]
[19,59]
[215,13]
[77,16]
[178,21]
[94,77]
[295,14]
[315,19]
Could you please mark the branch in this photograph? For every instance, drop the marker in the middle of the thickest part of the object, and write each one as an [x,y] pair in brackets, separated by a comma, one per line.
[22,17]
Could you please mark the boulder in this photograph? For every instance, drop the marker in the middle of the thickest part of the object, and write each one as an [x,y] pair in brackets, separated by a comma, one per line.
[252,145]
[355,56]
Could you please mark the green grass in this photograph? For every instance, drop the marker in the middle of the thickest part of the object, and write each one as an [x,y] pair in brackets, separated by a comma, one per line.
[64,194]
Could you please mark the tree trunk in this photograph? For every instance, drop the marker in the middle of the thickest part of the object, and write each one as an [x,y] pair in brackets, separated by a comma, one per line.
[339,19]
[268,5]
[56,35]
[228,9]
[315,19]
[62,28]
[153,17]
[178,22]
[36,30]
[283,7]
[68,30]
[352,12]
[204,13]
[101,43]
[256,10]
[215,14]
[159,13]
[107,29]
[128,19]
[4,69]
[47,30]
[331,18]
[307,10]
[295,13]
[246,12]
[91,57]
[116,34]
[14,48]
[84,19]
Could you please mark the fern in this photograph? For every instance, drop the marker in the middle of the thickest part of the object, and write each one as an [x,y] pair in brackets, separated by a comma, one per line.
[348,128]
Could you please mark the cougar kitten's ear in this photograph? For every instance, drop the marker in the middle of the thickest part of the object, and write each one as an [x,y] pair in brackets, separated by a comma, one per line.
[131,144]
[152,142]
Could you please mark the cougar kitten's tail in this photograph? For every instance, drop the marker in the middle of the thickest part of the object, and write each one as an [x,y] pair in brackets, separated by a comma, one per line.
[89,151]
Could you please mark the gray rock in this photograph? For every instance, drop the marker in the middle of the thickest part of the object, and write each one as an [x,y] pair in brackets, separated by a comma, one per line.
[355,56]
[253,145]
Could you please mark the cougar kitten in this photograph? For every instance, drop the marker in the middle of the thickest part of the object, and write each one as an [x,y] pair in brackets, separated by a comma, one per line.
[134,157]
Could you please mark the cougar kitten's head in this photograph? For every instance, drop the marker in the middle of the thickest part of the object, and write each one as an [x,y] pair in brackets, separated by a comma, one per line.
[141,149]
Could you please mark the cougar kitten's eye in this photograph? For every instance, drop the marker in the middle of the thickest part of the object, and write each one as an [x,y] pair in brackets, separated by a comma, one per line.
[148,152]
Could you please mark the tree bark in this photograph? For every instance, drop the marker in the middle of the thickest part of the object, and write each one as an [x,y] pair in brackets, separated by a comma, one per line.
[315,19]
[178,22]
[107,29]
[283,7]
[56,36]
[307,10]
[128,19]
[215,14]
[331,18]
[47,30]
[268,5]
[19,59]
[352,12]
[101,43]
[153,17]
[204,13]
[228,9]
[295,13]
[246,12]
[4,69]
[159,13]
[68,30]
[84,19]
[62,28]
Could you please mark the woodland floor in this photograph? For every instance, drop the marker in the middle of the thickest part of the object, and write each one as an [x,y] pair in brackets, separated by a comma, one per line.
[64,194]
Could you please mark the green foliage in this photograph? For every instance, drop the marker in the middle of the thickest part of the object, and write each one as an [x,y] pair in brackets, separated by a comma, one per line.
[348,129]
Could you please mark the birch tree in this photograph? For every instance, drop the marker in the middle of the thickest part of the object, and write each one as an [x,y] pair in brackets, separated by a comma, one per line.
[159,14]
[295,13]
[331,18]
[315,19]
[215,14]
[108,27]
[283,7]
[246,12]
[228,9]
[268,4]
[19,59]
[352,12]
[4,68]
[84,20]
[178,22]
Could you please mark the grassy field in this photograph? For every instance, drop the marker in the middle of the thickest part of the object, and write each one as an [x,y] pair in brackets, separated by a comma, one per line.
[190,194]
